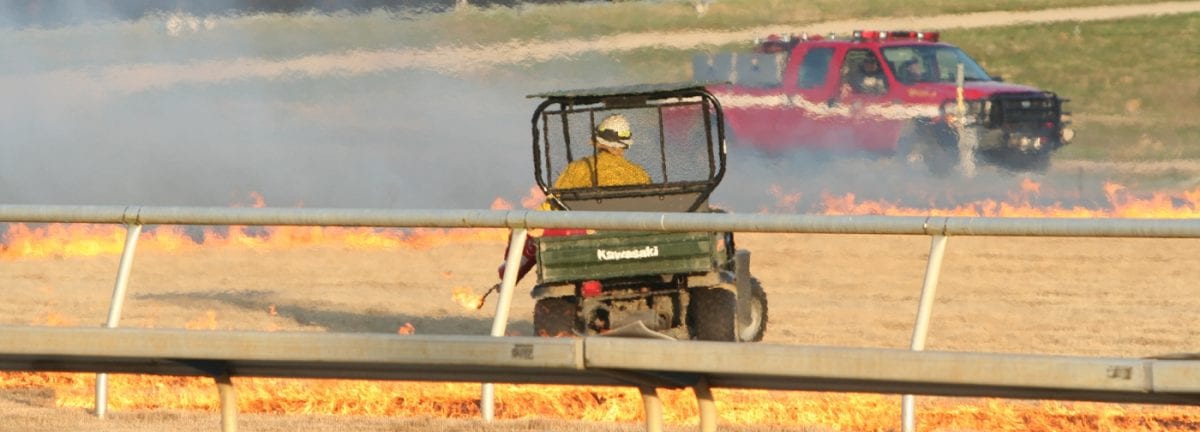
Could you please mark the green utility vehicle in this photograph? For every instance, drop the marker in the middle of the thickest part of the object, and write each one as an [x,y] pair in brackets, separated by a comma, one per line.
[686,285]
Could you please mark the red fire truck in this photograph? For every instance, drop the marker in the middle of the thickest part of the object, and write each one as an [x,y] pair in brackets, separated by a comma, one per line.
[900,93]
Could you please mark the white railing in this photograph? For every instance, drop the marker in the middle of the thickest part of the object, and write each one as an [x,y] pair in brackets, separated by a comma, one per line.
[997,375]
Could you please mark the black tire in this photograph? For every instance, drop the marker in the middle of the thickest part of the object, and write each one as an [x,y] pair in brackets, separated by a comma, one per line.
[555,317]
[754,330]
[712,314]
[936,145]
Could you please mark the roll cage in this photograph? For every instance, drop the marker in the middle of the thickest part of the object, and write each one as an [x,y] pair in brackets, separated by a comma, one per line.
[680,133]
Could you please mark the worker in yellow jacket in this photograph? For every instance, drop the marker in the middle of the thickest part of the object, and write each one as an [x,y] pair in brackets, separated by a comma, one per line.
[606,167]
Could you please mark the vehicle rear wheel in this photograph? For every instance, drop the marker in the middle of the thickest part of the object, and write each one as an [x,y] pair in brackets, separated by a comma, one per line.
[752,328]
[712,314]
[555,317]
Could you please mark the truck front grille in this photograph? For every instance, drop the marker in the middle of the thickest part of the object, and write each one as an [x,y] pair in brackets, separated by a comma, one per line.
[1012,109]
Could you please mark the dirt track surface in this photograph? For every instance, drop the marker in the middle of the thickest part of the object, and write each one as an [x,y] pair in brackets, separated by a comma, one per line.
[1122,297]
[1107,297]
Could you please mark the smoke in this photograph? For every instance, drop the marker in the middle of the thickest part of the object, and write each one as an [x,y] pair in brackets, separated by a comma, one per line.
[59,13]
[323,130]
[134,113]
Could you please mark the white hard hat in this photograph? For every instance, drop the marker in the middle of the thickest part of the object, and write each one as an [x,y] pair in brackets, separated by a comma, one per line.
[614,131]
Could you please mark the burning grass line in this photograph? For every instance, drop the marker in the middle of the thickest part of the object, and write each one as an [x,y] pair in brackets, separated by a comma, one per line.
[841,411]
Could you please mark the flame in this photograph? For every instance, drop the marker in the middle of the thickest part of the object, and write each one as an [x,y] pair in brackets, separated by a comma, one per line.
[781,409]
[1121,204]
[535,198]
[501,204]
[86,240]
[1029,186]
[467,298]
[785,201]
[206,322]
[63,240]
[836,411]
[406,329]
[455,400]
[56,319]
[532,201]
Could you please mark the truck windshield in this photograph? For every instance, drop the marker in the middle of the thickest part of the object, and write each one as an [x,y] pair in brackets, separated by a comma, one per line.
[931,63]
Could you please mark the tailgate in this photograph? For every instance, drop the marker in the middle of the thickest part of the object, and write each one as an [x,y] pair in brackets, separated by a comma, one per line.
[621,254]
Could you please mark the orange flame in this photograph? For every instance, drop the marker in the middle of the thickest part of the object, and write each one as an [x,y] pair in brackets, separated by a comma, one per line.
[66,240]
[467,298]
[1122,204]
[785,201]
[501,204]
[406,329]
[532,201]
[207,322]
[803,410]
[603,404]
[61,240]
[535,198]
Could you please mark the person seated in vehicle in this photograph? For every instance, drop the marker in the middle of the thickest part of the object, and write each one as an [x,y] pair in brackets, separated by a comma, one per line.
[867,78]
[910,72]
[611,138]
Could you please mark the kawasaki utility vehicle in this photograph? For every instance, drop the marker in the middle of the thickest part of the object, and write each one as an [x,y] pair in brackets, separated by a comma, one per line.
[687,285]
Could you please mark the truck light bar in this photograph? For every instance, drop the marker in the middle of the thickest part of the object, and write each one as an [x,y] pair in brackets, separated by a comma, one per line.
[877,35]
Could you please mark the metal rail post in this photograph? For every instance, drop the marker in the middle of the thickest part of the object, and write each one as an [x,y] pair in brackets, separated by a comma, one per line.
[133,231]
[228,395]
[512,264]
[933,269]
[707,406]
[654,410]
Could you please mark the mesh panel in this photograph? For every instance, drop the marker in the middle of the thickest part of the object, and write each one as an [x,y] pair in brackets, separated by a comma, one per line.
[670,147]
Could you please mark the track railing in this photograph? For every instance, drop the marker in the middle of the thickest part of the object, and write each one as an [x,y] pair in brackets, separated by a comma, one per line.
[673,363]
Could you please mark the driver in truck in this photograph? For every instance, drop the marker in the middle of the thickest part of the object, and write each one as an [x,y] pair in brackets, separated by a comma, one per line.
[607,166]
[866,78]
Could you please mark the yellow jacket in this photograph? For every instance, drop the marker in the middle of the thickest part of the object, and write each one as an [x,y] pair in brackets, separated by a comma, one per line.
[613,171]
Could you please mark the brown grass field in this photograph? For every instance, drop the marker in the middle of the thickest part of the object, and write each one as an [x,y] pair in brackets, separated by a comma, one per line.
[1098,297]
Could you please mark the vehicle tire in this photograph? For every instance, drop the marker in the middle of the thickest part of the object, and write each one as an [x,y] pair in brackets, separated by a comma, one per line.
[936,145]
[712,314]
[903,155]
[939,148]
[555,317]
[754,330]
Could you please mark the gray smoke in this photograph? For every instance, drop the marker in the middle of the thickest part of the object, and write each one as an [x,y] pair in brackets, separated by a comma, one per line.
[96,116]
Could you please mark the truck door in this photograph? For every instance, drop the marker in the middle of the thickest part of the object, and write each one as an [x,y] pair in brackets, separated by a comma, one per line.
[810,98]
[874,114]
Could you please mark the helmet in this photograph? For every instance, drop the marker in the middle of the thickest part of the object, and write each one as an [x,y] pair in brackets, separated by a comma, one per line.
[614,132]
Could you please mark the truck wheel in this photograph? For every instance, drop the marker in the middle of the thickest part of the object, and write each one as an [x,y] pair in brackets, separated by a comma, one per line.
[756,324]
[936,145]
[555,317]
[712,314]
